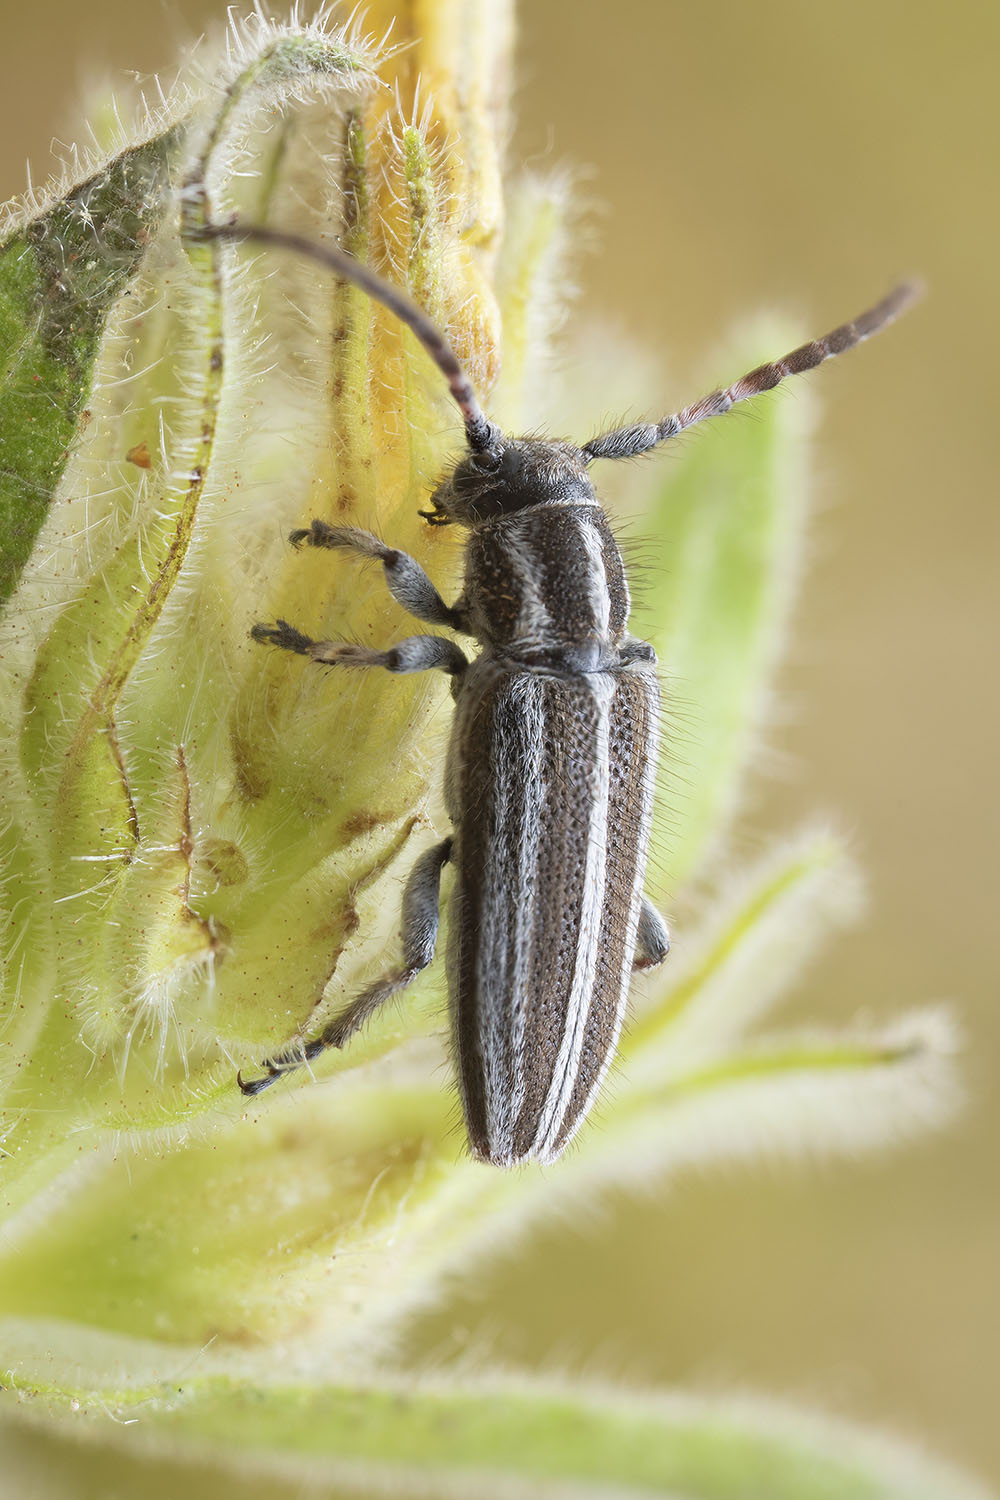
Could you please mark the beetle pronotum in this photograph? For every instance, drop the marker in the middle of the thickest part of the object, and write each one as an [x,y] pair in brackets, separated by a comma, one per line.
[549,779]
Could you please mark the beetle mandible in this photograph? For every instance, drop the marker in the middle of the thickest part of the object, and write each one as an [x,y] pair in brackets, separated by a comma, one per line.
[550,767]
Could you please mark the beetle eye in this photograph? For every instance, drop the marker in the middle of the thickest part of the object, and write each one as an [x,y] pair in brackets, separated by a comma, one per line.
[486,462]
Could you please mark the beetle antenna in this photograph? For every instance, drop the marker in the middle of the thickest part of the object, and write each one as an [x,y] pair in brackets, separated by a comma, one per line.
[480,433]
[627,442]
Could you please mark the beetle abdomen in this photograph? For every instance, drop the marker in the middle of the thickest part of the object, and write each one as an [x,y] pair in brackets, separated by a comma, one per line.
[550,789]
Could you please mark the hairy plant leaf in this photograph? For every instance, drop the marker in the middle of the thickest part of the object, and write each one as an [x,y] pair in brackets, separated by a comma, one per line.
[60,274]
[506,1439]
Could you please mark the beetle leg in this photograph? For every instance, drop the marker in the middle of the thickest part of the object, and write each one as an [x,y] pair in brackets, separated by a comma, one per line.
[408,583]
[652,939]
[635,650]
[417,653]
[419,929]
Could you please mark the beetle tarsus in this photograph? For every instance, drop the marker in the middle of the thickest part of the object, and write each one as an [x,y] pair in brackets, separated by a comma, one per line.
[284,635]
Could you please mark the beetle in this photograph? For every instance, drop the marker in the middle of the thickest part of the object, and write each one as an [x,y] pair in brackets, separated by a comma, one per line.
[550,767]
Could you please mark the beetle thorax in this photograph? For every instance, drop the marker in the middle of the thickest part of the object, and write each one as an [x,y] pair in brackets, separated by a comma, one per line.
[545,586]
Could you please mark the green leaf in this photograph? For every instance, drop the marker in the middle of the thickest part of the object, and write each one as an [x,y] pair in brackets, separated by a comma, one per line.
[511,1438]
[60,275]
[277,1226]
[764,926]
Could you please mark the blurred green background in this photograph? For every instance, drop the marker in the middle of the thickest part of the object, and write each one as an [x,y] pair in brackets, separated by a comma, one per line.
[797,157]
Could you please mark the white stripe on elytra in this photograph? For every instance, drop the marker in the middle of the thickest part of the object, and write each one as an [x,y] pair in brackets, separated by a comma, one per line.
[647,752]
[598,593]
[505,939]
[534,622]
[564,1075]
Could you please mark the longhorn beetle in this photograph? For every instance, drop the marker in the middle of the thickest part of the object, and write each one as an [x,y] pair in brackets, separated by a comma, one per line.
[549,776]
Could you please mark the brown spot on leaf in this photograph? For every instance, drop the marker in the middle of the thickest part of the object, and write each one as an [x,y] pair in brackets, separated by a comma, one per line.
[339,925]
[250,776]
[223,860]
[140,455]
[363,821]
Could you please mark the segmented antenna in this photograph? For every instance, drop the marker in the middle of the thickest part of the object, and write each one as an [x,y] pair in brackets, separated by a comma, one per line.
[480,433]
[627,442]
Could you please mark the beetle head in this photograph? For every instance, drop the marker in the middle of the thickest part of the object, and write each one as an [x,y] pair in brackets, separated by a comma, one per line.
[509,475]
